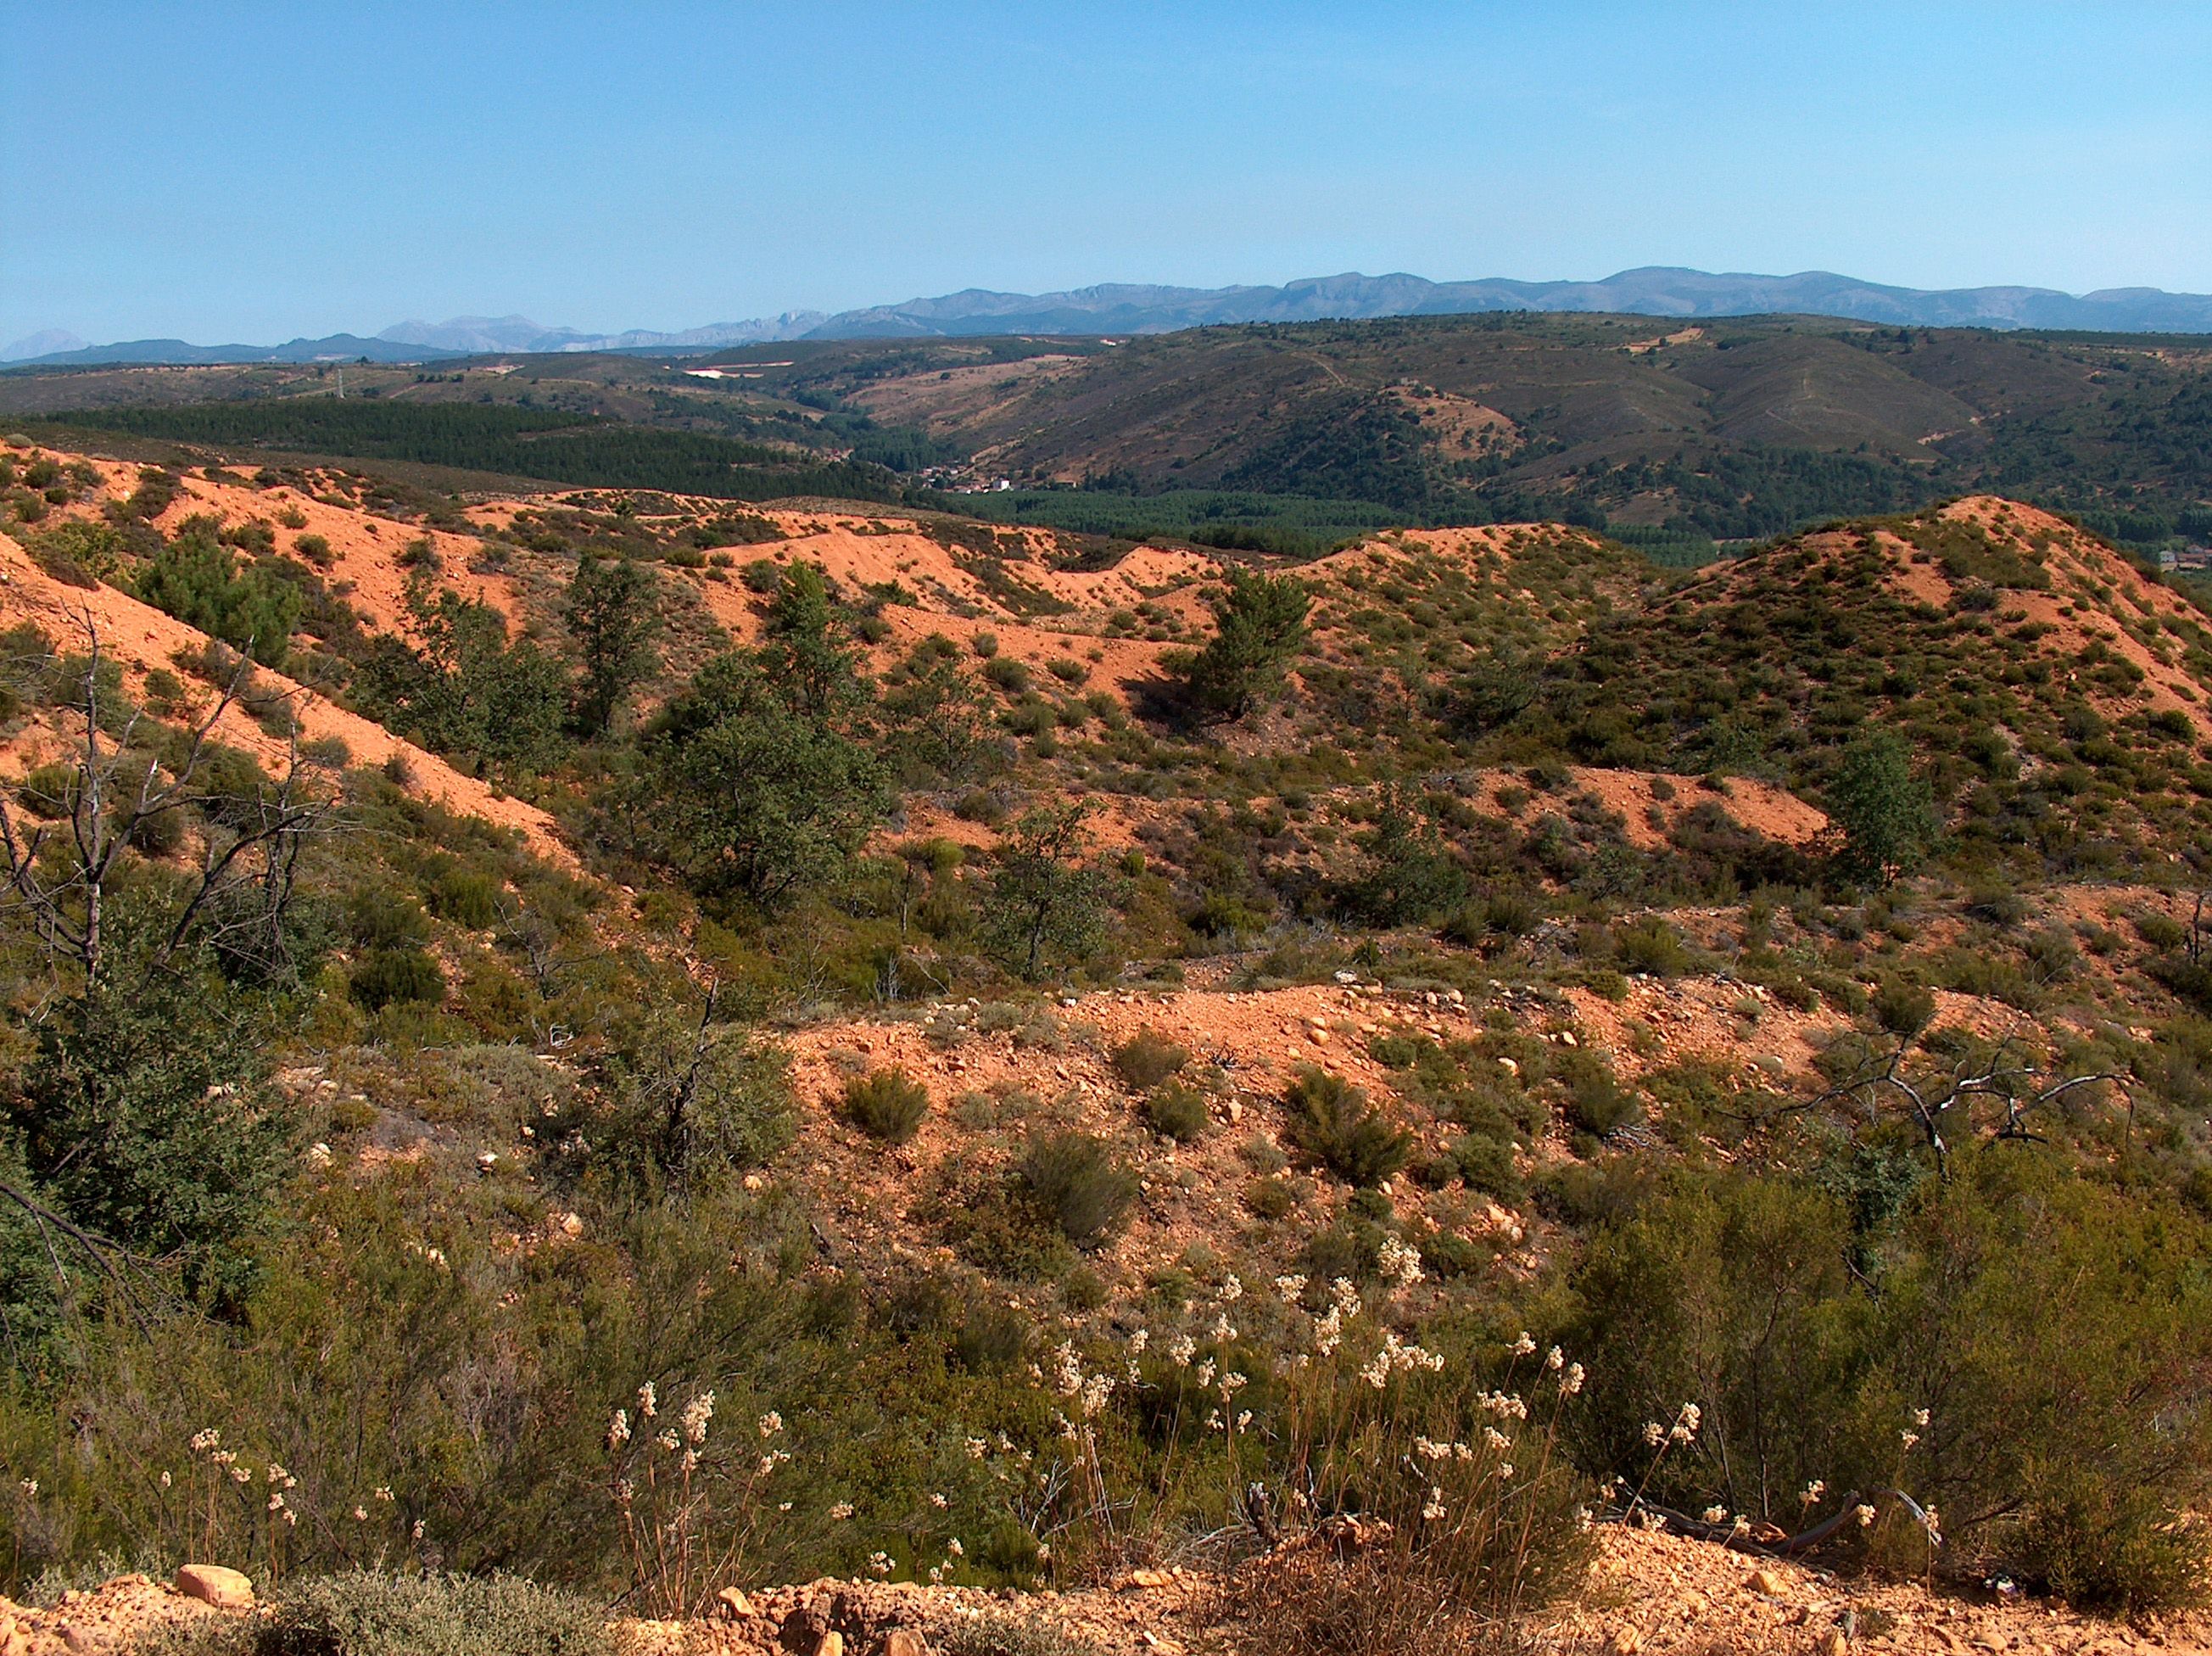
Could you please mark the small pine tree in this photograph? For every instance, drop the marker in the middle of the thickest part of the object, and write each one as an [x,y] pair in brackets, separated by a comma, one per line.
[612,616]
[1259,629]
[802,654]
[1886,814]
[1045,899]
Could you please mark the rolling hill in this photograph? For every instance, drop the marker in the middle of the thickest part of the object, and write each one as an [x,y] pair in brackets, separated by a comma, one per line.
[1294,438]
[906,974]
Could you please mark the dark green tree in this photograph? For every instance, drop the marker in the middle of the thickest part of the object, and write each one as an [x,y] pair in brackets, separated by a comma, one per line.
[145,1112]
[1410,874]
[935,711]
[750,796]
[804,652]
[196,578]
[1259,627]
[1885,813]
[466,690]
[611,615]
[1046,899]
[695,1094]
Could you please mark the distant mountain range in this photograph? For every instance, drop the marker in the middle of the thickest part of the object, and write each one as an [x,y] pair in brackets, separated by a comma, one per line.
[1128,307]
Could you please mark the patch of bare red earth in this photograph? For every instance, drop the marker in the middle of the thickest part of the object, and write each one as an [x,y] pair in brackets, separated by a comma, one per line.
[139,638]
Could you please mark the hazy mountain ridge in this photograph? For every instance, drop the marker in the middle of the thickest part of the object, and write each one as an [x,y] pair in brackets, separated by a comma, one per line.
[1143,307]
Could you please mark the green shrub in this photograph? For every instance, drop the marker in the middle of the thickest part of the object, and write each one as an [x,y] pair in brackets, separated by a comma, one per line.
[1598,1104]
[1008,674]
[363,1614]
[1902,1008]
[1177,1112]
[1650,944]
[401,975]
[1502,914]
[50,790]
[159,834]
[379,918]
[1269,1197]
[2026,1308]
[465,898]
[2105,1543]
[1077,1184]
[887,1104]
[1335,1124]
[2160,931]
[1997,905]
[164,693]
[1486,1164]
[1146,1059]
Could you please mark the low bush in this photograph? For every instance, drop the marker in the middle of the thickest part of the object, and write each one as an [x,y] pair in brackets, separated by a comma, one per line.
[1334,1123]
[1146,1059]
[887,1104]
[1903,1008]
[1598,1105]
[362,1614]
[1175,1111]
[398,975]
[2014,1313]
[1652,946]
[1486,1164]
[1078,1185]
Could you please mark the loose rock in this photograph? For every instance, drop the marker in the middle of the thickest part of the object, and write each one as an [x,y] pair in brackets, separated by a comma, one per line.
[212,1584]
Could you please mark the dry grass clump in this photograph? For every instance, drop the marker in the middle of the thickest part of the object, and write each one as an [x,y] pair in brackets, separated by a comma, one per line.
[997,1634]
[1316,1605]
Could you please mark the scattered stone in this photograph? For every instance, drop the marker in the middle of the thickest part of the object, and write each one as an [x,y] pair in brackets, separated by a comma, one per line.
[1625,1641]
[903,1642]
[1766,1584]
[733,1603]
[211,1584]
[1318,1037]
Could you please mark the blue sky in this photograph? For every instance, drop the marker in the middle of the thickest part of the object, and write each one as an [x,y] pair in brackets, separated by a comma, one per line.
[253,172]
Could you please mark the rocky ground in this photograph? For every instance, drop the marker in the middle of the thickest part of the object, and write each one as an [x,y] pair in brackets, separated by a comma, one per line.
[1651,1595]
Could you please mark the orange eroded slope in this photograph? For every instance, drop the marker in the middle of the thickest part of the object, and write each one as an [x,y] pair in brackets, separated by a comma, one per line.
[139,638]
